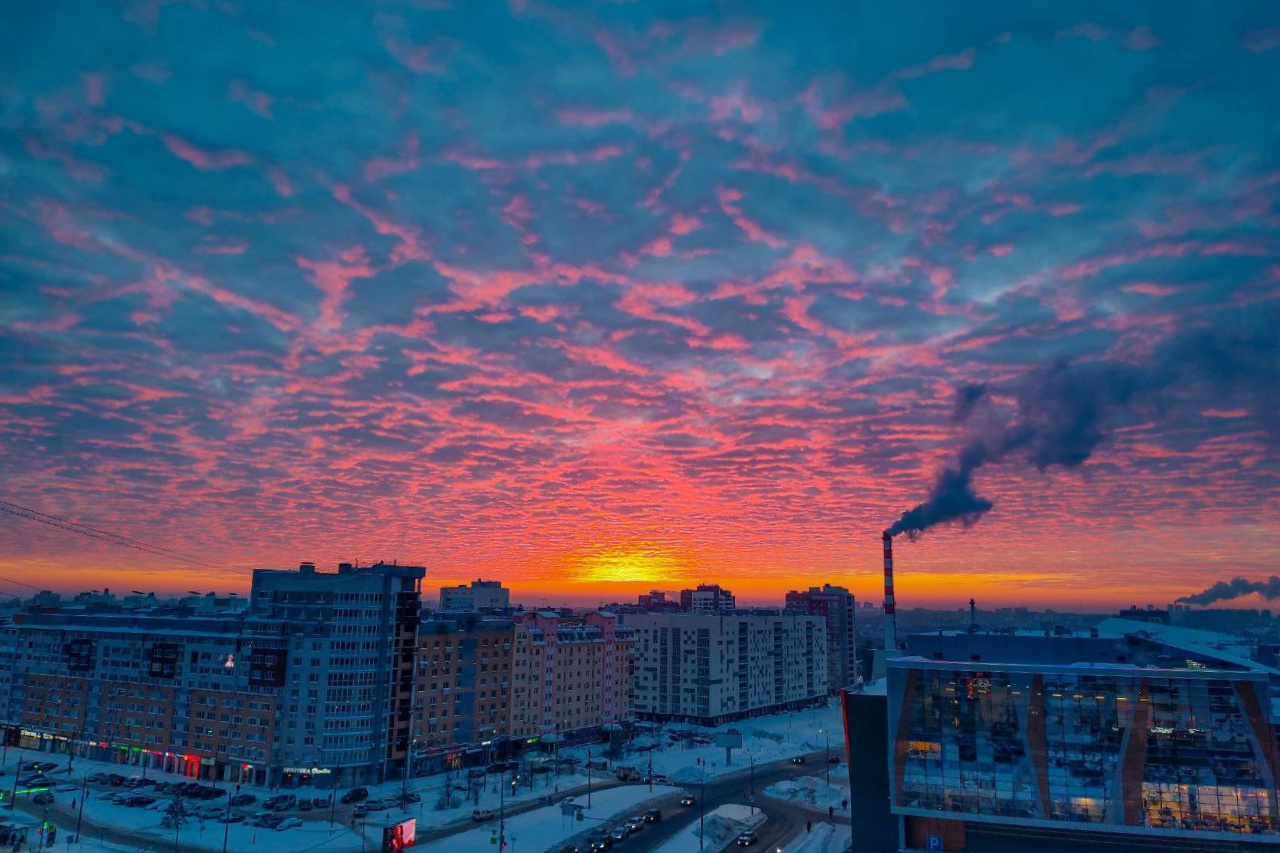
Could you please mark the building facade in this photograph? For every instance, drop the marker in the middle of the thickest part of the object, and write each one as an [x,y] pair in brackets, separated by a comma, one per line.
[1136,734]
[837,607]
[463,687]
[707,598]
[709,669]
[571,675]
[478,596]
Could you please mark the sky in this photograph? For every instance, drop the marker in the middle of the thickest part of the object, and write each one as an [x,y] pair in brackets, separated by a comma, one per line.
[600,297]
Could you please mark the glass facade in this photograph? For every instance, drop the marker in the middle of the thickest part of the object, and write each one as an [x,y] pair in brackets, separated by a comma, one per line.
[1090,745]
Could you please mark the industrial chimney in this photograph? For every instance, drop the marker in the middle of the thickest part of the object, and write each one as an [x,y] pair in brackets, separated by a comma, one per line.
[890,619]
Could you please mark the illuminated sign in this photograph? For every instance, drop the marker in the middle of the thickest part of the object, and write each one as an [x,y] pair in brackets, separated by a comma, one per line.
[400,835]
[308,771]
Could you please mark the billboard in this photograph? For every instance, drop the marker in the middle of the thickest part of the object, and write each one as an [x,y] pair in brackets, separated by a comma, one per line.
[398,836]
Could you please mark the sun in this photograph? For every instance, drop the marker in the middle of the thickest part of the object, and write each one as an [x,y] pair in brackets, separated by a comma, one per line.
[627,564]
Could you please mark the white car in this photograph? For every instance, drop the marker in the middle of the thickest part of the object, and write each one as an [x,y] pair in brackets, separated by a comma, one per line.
[289,823]
[481,814]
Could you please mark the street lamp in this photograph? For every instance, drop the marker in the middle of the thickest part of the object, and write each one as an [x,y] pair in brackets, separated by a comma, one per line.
[84,795]
[226,821]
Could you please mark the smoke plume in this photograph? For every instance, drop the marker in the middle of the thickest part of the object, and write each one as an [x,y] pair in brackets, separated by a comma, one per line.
[1235,588]
[1058,416]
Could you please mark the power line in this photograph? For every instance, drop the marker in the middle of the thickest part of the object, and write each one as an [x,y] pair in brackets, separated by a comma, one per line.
[67,524]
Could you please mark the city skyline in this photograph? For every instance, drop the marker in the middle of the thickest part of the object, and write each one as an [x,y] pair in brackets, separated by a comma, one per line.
[600,299]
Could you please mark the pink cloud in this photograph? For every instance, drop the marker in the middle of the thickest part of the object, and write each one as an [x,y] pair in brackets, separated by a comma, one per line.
[729,199]
[1089,32]
[682,225]
[961,61]
[588,117]
[1260,41]
[1141,38]
[202,158]
[1000,250]
[258,102]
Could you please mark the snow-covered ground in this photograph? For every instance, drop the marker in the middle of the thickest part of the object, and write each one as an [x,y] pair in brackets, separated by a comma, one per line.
[823,838]
[683,753]
[812,792]
[547,828]
[764,740]
[722,826]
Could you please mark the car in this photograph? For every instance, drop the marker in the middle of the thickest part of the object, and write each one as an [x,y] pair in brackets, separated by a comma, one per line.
[746,839]
[409,798]
[231,817]
[600,842]
[115,779]
[481,814]
[66,789]
[268,821]
[95,778]
[35,781]
[139,801]
[39,766]
[243,799]
[834,759]
[355,795]
[799,759]
[634,824]
[653,816]
[282,803]
[322,802]
[211,793]
[376,805]
[359,810]
[568,848]
[289,823]
[688,800]
[305,805]
[619,833]
[42,798]
[119,799]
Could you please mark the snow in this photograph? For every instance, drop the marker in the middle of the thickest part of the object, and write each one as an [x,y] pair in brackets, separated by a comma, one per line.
[764,740]
[722,826]
[809,792]
[824,838]
[546,828]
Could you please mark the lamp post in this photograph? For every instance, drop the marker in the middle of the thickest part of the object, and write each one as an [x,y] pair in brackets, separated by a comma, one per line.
[84,795]
[226,822]
[702,811]
[588,777]
[826,753]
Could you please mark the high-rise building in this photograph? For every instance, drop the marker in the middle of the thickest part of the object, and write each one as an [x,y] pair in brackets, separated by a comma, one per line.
[1137,736]
[707,598]
[478,596]
[352,646]
[709,669]
[836,606]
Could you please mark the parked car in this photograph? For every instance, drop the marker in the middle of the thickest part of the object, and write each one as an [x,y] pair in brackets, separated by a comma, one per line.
[305,805]
[289,823]
[230,817]
[37,780]
[799,759]
[322,802]
[355,795]
[119,799]
[409,798]
[376,805]
[243,799]
[688,800]
[746,839]
[482,814]
[268,821]
[95,778]
[653,816]
[138,801]
[281,803]
[600,842]
[619,833]
[569,848]
[42,799]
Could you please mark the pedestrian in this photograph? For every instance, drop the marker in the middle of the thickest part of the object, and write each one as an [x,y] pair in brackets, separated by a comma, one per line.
[844,804]
[831,811]
[808,826]
[73,804]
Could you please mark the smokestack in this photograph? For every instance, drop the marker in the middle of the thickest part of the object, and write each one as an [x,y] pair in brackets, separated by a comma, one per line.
[890,618]
[973,616]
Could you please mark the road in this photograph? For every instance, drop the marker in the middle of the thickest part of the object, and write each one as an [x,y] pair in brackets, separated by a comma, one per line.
[784,821]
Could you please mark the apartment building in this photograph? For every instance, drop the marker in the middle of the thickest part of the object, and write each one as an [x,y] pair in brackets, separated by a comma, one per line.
[571,675]
[477,596]
[707,598]
[352,644]
[709,669]
[837,607]
[462,689]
